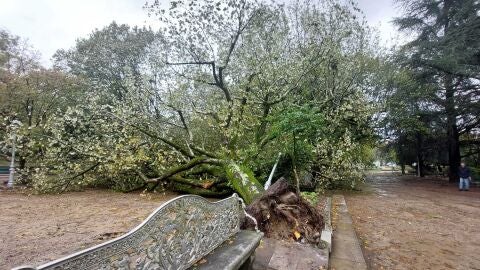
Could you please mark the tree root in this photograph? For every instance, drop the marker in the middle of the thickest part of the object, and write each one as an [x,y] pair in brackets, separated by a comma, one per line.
[284,215]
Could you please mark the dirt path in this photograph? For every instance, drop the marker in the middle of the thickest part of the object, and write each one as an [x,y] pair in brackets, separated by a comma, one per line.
[411,223]
[35,229]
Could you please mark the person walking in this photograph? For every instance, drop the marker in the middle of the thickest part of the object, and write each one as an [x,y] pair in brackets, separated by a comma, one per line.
[465,177]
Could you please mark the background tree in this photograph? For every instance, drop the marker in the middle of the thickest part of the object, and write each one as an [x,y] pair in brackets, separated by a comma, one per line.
[29,94]
[445,54]
[113,59]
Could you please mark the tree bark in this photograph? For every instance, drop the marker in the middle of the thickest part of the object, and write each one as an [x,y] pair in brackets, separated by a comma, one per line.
[240,179]
[184,167]
[452,130]
[22,161]
[294,159]
[185,188]
[420,163]
[243,181]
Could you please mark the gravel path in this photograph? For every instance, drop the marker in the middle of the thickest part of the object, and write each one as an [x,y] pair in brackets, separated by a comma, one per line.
[40,228]
[402,222]
[406,222]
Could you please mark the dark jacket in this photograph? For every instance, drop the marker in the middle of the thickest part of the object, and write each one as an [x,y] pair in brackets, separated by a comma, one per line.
[464,172]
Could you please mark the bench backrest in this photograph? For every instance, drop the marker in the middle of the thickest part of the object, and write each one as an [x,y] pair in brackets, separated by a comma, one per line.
[4,170]
[175,236]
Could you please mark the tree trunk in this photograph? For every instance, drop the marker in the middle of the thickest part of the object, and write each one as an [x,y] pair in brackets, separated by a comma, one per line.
[21,162]
[453,153]
[294,159]
[263,122]
[185,188]
[452,130]
[243,181]
[420,165]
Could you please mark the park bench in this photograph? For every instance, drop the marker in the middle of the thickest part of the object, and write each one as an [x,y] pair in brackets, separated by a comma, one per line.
[4,172]
[187,232]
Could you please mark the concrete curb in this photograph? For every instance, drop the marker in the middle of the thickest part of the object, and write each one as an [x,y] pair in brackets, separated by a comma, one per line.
[327,232]
[346,252]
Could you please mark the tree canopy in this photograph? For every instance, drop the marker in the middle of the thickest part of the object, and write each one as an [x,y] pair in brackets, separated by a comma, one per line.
[434,96]
[205,104]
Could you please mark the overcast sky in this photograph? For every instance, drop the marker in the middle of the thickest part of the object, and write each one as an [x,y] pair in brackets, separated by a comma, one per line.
[53,24]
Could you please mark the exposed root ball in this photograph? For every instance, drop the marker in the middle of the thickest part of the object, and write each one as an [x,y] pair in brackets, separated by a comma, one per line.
[282,214]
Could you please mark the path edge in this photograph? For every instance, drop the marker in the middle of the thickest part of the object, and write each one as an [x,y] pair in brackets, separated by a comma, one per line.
[327,232]
[347,252]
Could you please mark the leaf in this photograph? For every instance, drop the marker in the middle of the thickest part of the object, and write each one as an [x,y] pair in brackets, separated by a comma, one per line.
[207,184]
[297,234]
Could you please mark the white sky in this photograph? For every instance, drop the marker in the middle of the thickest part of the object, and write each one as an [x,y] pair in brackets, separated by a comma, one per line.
[53,24]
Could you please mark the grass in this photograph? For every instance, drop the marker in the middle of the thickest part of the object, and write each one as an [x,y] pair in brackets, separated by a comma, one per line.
[361,188]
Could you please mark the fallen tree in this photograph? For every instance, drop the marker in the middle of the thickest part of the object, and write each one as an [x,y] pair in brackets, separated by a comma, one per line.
[210,113]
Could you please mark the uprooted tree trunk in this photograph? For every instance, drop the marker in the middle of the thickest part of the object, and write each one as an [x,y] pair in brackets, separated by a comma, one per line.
[226,176]
[239,178]
[282,214]
[243,181]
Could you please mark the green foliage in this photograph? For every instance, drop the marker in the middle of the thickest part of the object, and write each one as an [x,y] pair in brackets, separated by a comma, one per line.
[296,130]
[324,144]
[113,59]
[206,104]
[84,147]
[431,115]
[311,197]
[306,122]
[29,95]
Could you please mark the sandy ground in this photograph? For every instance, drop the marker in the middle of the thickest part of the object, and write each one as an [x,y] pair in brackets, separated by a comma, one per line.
[409,223]
[36,229]
[403,222]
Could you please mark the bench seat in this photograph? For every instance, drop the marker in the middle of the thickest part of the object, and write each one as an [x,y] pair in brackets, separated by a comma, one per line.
[233,253]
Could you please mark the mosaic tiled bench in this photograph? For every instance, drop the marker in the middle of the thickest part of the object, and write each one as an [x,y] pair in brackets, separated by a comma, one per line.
[188,232]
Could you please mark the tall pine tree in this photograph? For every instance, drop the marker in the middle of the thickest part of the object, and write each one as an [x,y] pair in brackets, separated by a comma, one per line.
[445,51]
